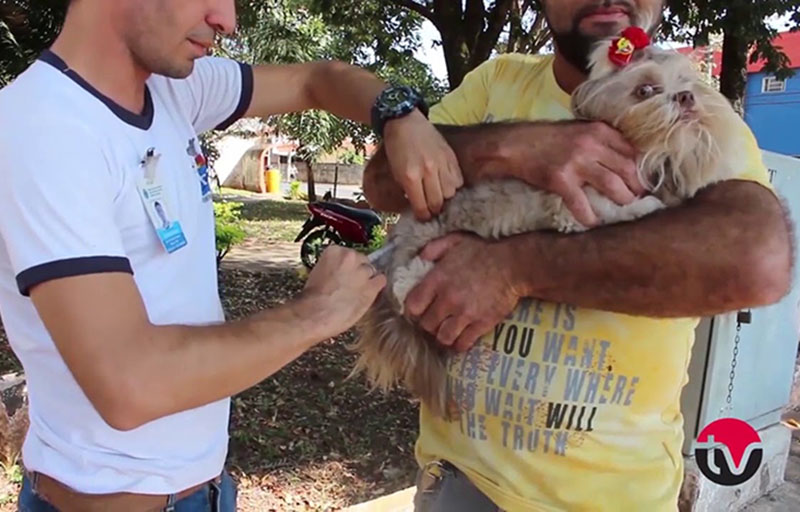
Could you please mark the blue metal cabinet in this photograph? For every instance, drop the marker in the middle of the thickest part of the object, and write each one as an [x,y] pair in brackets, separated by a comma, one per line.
[767,348]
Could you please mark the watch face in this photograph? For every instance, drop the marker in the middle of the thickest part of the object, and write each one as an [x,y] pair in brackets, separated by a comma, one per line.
[397,98]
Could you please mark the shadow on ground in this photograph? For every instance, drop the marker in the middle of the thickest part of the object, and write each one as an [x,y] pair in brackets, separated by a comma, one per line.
[308,438]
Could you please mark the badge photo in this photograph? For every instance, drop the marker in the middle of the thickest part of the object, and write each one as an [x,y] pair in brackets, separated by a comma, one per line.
[155,202]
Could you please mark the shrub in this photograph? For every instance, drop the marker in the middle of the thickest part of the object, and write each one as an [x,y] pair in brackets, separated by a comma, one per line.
[378,239]
[294,191]
[228,227]
[351,157]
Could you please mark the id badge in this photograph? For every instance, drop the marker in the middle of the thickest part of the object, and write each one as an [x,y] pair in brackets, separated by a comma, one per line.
[167,228]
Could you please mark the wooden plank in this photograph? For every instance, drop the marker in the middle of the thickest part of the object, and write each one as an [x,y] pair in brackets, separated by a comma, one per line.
[401,501]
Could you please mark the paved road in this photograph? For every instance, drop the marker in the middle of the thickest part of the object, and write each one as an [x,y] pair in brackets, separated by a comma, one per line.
[342,191]
[785,498]
[256,257]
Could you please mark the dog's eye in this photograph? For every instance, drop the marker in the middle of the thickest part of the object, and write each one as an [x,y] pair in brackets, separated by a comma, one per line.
[646,91]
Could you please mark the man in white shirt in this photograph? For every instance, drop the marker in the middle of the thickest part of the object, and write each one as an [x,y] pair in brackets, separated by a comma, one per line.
[114,315]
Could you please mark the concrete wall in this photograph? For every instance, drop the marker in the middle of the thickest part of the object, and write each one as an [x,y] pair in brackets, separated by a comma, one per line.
[247,173]
[239,166]
[232,150]
[326,173]
[773,117]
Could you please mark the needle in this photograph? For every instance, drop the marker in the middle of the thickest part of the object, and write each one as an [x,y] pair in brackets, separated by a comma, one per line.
[376,256]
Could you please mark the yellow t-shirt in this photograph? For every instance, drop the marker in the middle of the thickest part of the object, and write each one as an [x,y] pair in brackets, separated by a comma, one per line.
[567,408]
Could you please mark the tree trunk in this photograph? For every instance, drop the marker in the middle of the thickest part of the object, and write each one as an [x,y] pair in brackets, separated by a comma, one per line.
[469,33]
[456,55]
[733,78]
[448,17]
[471,30]
[312,190]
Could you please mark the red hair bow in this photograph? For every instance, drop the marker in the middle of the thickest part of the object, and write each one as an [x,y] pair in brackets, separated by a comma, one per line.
[621,51]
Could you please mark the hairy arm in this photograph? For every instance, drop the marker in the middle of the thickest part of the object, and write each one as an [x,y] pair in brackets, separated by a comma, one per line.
[339,88]
[134,372]
[727,249]
[480,157]
[560,157]
[415,148]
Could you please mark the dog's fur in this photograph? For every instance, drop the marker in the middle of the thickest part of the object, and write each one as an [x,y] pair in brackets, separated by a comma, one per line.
[678,156]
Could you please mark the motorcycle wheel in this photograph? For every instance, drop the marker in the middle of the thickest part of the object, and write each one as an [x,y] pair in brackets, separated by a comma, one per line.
[315,243]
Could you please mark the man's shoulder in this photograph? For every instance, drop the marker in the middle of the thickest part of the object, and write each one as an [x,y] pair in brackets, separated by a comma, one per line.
[203,67]
[41,99]
[26,90]
[511,65]
[212,81]
[525,60]
[42,119]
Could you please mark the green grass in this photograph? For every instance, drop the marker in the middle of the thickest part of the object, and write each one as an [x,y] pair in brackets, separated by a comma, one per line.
[274,221]
[225,191]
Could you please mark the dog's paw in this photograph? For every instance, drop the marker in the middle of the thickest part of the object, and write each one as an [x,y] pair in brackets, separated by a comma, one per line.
[646,206]
[406,278]
[565,223]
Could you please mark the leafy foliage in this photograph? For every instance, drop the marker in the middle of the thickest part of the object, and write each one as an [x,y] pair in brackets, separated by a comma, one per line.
[744,28]
[228,229]
[26,28]
[294,191]
[375,37]
[352,157]
[472,29]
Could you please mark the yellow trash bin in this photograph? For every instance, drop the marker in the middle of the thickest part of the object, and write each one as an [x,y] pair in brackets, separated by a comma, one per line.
[273,179]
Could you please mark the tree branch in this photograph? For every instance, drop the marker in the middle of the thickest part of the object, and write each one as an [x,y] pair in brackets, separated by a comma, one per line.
[411,5]
[495,22]
[474,16]
[514,26]
[539,35]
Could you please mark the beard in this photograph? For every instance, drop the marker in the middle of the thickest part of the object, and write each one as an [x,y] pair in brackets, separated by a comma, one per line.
[576,46]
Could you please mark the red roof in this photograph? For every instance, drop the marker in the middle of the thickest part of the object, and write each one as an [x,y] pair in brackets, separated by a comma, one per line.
[788,42]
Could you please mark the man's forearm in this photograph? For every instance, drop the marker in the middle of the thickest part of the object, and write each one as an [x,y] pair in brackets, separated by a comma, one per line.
[134,372]
[341,89]
[481,152]
[346,91]
[727,249]
[182,367]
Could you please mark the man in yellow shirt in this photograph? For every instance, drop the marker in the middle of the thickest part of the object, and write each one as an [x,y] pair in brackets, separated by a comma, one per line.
[570,398]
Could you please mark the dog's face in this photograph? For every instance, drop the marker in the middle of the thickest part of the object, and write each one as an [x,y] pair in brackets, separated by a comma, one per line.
[658,86]
[660,104]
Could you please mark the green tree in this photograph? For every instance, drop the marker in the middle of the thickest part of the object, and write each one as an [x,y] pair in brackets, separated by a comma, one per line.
[470,30]
[26,28]
[745,32]
[288,31]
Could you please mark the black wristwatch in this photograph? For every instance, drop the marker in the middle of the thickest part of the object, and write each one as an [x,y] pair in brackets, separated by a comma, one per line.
[396,102]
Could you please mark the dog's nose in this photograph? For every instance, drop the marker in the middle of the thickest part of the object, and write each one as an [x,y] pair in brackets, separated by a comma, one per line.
[685,99]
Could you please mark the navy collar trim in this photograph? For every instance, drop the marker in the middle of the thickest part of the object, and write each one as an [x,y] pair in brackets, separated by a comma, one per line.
[142,121]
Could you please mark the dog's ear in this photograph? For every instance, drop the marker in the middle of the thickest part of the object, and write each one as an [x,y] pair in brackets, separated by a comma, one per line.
[582,98]
[599,64]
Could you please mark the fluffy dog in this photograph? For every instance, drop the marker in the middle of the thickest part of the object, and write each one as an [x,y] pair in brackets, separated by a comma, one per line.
[686,137]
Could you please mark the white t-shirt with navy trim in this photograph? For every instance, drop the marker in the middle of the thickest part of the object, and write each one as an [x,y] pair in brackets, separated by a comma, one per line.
[71,161]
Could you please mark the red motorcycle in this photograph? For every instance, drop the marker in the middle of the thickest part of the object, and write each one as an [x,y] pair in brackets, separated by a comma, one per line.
[333,223]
